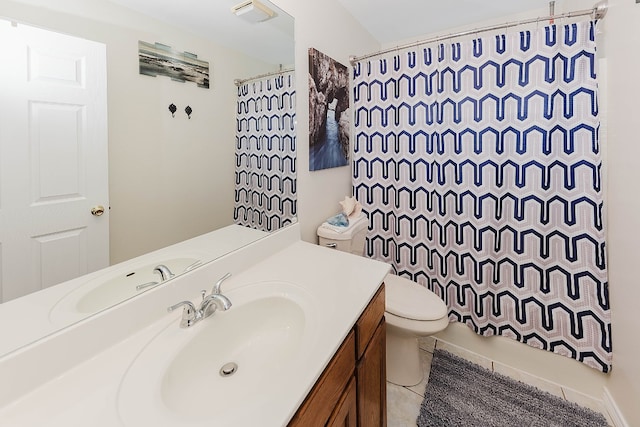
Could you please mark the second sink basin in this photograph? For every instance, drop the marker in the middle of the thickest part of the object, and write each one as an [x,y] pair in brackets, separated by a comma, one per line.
[114,287]
[225,364]
[124,285]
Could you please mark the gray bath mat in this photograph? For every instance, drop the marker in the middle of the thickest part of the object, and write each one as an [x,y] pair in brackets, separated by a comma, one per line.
[460,393]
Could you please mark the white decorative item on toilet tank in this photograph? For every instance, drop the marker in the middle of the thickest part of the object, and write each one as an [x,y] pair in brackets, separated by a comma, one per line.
[411,312]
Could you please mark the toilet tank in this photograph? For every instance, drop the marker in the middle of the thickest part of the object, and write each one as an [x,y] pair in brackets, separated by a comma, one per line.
[351,240]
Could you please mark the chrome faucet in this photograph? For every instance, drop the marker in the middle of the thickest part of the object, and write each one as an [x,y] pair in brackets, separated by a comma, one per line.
[164,271]
[215,301]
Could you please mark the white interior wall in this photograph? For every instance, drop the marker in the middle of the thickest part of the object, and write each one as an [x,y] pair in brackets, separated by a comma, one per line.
[328,28]
[170,179]
[623,62]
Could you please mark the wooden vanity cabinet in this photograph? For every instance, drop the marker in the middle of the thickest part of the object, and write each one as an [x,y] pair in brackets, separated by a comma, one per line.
[352,390]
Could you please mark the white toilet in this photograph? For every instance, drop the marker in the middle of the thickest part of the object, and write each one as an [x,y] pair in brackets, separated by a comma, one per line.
[412,311]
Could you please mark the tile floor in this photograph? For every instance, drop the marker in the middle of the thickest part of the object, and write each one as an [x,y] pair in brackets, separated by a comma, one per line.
[403,403]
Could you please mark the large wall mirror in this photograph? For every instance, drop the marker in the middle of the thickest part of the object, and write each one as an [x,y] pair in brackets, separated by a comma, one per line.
[170,150]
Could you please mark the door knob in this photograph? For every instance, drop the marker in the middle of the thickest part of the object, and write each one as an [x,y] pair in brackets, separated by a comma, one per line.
[97,210]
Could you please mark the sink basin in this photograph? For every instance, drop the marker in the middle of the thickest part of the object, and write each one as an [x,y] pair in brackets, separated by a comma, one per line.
[115,287]
[177,379]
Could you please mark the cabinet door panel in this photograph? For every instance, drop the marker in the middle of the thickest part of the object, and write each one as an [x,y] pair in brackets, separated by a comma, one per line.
[372,384]
[368,322]
[346,413]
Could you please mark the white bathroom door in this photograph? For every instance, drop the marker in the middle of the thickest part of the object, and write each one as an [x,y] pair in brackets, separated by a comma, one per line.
[53,159]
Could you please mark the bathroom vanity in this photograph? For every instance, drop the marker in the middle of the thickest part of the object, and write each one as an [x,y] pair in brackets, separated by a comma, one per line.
[306,332]
[352,389]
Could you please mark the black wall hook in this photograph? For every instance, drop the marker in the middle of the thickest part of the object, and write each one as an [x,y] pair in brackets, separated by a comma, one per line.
[188,110]
[173,109]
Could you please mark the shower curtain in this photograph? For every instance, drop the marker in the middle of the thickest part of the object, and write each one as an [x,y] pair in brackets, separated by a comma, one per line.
[265,188]
[478,163]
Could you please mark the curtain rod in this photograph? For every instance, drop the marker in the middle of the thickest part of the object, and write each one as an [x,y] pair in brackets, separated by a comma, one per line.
[239,82]
[598,11]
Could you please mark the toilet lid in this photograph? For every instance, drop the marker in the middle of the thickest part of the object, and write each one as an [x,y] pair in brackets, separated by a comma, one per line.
[408,299]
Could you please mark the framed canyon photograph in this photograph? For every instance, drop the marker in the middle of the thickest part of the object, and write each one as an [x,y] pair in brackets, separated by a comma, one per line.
[329,115]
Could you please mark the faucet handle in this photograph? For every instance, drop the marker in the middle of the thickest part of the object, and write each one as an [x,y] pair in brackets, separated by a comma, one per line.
[216,287]
[189,313]
[188,306]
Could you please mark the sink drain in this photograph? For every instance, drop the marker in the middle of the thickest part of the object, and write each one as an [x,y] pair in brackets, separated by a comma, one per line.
[228,369]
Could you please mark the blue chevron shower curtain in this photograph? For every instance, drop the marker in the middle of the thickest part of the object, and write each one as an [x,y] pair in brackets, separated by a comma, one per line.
[478,163]
[265,188]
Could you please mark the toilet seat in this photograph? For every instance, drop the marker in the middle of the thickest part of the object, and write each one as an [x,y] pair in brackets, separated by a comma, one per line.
[417,328]
[411,301]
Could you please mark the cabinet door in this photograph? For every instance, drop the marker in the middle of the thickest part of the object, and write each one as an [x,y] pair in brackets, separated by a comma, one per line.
[325,395]
[372,383]
[346,412]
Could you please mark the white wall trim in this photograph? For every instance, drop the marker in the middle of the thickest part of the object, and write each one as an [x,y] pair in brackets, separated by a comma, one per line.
[612,409]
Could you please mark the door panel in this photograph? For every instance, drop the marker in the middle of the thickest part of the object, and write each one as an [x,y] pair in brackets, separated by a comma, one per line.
[53,268]
[53,159]
[56,128]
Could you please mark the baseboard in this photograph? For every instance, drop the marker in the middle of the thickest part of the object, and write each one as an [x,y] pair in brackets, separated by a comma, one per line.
[612,409]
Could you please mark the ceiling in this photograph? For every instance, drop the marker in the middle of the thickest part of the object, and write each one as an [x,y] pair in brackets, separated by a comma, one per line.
[390,21]
[271,41]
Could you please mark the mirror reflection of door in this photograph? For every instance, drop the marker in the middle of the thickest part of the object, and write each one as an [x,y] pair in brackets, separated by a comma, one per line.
[53,159]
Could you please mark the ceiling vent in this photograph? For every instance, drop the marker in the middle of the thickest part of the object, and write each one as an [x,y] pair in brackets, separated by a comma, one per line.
[252,11]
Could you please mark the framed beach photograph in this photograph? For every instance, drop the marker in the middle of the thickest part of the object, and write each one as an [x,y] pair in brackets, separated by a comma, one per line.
[158,59]
[329,115]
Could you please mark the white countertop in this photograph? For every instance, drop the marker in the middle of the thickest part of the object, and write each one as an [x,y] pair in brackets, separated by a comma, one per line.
[87,394]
